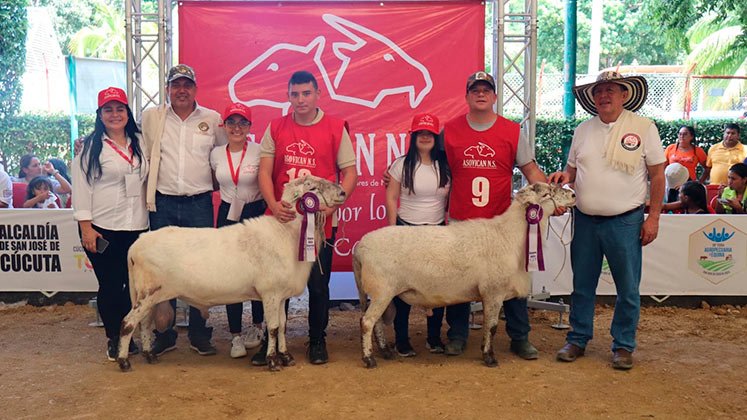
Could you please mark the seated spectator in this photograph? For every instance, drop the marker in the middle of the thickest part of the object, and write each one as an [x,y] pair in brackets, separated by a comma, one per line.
[6,189]
[31,168]
[693,198]
[732,199]
[675,175]
[60,166]
[685,152]
[39,194]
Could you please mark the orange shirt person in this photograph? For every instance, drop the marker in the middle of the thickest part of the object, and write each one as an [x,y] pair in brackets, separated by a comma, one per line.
[686,153]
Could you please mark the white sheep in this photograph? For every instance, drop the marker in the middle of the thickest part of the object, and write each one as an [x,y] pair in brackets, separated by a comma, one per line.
[434,266]
[253,260]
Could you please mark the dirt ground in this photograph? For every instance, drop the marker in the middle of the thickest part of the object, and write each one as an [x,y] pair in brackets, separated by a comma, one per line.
[690,364]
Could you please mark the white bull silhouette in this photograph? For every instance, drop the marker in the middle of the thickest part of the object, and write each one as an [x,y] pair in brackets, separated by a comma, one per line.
[310,55]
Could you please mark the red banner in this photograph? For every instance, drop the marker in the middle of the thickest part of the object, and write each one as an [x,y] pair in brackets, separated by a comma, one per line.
[377,65]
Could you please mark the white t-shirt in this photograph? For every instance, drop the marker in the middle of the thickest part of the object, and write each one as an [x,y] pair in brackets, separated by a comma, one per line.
[248,188]
[6,188]
[601,190]
[427,203]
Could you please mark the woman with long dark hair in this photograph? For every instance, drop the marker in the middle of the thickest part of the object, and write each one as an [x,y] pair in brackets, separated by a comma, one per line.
[31,167]
[420,182]
[109,205]
[685,152]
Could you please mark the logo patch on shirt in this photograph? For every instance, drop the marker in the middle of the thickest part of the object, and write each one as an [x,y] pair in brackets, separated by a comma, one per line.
[203,126]
[631,141]
[479,156]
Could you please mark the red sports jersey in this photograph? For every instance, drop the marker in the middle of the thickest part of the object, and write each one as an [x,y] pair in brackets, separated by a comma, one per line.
[481,165]
[305,150]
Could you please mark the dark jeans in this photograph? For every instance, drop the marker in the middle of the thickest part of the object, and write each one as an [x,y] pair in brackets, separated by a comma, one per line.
[517,320]
[110,267]
[185,211]
[234,311]
[402,317]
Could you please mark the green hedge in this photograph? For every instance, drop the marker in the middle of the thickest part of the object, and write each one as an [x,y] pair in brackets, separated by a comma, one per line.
[45,135]
[48,136]
[553,137]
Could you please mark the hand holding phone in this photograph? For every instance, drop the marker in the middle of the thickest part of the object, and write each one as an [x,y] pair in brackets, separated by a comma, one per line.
[101,244]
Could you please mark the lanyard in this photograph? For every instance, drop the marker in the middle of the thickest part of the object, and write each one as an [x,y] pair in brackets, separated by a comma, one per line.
[116,149]
[235,174]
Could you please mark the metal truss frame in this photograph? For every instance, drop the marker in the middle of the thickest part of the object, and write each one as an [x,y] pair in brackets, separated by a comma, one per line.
[148,39]
[520,30]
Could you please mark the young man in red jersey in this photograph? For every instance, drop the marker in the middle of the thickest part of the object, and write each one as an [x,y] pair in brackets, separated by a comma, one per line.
[307,142]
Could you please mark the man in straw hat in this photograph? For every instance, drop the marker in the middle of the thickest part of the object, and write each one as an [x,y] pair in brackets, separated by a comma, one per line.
[612,157]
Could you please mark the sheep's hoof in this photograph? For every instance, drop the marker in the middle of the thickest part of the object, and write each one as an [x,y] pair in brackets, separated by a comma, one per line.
[124,364]
[489,359]
[273,363]
[150,357]
[388,352]
[370,362]
[287,359]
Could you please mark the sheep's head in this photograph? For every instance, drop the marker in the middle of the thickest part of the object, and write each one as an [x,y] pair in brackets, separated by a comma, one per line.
[549,196]
[329,193]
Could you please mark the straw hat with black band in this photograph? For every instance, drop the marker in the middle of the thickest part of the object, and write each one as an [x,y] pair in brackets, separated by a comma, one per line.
[636,86]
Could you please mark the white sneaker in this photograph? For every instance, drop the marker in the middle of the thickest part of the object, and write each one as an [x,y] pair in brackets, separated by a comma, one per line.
[253,337]
[237,347]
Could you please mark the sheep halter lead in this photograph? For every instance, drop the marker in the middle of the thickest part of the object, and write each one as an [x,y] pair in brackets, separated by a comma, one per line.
[308,205]
[533,252]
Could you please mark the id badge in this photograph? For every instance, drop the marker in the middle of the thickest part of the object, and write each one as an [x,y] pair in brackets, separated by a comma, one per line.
[234,212]
[133,184]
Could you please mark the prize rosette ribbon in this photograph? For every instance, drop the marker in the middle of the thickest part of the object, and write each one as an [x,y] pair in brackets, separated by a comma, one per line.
[308,205]
[533,252]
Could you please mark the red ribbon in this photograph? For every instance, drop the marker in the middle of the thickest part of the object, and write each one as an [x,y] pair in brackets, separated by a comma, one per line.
[119,152]
[235,174]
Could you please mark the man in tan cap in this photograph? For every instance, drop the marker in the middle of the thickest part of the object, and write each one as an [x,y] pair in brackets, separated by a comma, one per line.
[612,157]
[179,136]
[482,149]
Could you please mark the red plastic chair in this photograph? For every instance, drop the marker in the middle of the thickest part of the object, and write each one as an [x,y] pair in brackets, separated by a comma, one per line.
[711,191]
[19,194]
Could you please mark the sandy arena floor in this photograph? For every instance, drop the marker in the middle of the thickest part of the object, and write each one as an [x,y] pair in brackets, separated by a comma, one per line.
[690,364]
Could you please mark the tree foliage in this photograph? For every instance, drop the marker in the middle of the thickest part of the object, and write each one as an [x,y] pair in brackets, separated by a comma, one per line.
[677,17]
[13,29]
[627,35]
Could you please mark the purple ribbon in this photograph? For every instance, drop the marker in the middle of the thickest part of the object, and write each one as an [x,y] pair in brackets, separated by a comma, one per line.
[308,205]
[533,251]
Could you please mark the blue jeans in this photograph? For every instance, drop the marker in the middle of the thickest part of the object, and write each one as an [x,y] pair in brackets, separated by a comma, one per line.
[185,211]
[617,238]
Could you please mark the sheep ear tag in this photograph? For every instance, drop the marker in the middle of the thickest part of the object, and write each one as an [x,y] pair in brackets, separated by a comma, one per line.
[309,205]
[533,252]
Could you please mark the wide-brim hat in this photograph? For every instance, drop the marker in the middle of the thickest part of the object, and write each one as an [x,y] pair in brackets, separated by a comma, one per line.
[636,85]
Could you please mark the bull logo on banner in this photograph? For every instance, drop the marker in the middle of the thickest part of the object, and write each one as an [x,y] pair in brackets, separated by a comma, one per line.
[413,78]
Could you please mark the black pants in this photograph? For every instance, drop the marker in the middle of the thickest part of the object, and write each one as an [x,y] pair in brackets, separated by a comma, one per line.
[318,285]
[234,311]
[402,317]
[110,267]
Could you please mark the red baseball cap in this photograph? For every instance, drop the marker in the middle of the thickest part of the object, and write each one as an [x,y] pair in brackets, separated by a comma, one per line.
[427,122]
[112,94]
[238,109]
